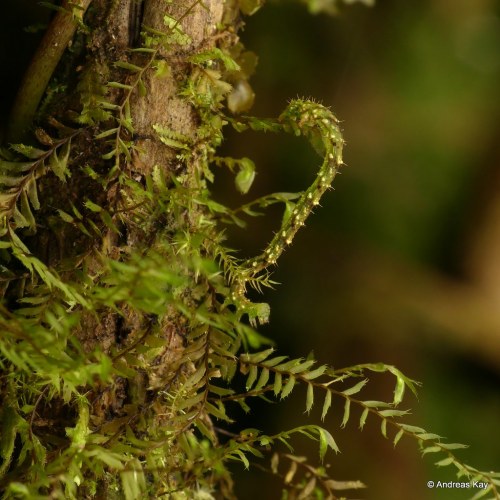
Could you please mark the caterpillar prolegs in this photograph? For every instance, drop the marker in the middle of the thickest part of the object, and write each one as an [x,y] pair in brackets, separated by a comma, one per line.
[320,126]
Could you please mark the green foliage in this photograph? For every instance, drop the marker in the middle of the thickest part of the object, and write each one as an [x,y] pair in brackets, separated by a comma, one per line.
[250,7]
[332,6]
[188,350]
[18,178]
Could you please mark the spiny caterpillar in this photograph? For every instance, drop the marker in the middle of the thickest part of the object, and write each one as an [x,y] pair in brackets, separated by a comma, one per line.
[319,125]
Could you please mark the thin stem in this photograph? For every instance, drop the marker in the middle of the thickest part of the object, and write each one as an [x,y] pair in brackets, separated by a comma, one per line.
[42,66]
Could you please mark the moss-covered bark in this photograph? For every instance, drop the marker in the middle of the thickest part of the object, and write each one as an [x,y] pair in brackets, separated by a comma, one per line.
[131,403]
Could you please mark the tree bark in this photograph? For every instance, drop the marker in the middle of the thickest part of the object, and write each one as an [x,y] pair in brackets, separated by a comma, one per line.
[113,32]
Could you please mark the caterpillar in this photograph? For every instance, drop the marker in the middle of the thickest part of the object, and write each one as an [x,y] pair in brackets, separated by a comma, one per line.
[320,126]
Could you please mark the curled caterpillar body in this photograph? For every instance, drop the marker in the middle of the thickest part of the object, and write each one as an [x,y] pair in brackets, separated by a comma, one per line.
[320,126]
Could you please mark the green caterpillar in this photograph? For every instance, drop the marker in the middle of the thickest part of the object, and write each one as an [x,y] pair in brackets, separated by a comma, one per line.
[319,125]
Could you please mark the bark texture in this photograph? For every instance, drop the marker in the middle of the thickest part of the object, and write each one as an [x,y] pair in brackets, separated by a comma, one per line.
[113,31]
[161,105]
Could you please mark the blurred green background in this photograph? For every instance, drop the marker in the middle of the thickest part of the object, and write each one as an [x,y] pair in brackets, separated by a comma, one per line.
[401,263]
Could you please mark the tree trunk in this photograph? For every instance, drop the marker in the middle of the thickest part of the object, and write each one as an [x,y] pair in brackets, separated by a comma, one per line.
[76,243]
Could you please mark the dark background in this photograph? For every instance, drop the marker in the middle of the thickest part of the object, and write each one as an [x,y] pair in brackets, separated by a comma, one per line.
[401,263]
